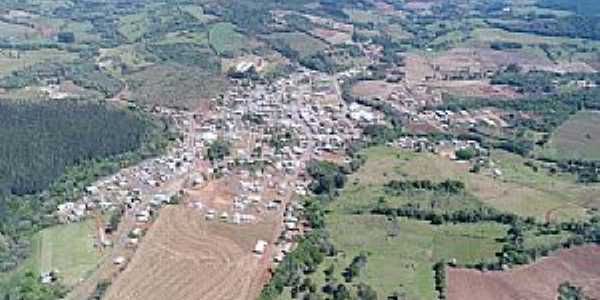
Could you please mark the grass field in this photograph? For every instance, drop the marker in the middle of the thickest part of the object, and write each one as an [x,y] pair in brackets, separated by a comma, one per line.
[578,138]
[175,86]
[520,190]
[133,27]
[402,252]
[403,263]
[301,42]
[13,60]
[224,38]
[198,13]
[16,32]
[68,249]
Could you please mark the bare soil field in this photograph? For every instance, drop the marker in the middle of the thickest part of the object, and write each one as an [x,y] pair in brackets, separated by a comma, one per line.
[477,88]
[185,257]
[373,89]
[535,282]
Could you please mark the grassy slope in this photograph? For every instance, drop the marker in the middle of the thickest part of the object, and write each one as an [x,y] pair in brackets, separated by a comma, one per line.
[224,38]
[68,249]
[404,263]
[578,138]
[301,42]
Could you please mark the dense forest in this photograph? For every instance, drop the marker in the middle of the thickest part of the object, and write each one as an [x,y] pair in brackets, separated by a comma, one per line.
[57,148]
[38,141]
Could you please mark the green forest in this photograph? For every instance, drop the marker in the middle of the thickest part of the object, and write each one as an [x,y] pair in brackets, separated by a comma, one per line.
[49,151]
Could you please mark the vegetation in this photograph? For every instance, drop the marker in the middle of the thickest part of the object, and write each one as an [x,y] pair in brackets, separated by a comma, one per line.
[566,291]
[575,139]
[67,250]
[327,177]
[218,150]
[59,148]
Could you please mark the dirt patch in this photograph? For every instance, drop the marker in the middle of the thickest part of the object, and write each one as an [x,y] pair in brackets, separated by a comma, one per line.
[477,88]
[538,281]
[373,89]
[185,257]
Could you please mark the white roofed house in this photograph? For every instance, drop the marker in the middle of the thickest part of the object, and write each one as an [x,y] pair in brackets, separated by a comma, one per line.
[260,247]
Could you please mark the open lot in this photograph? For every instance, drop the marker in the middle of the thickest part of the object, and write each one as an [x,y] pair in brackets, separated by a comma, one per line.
[537,281]
[578,138]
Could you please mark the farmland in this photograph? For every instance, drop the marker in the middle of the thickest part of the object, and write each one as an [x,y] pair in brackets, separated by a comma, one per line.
[403,262]
[302,43]
[307,149]
[521,190]
[538,281]
[575,139]
[179,245]
[401,252]
[226,40]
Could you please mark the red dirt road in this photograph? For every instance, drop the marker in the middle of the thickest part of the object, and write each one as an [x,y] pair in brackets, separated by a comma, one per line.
[539,281]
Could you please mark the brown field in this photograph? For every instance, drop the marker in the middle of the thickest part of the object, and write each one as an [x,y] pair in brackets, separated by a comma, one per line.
[538,281]
[332,36]
[477,88]
[185,257]
[373,89]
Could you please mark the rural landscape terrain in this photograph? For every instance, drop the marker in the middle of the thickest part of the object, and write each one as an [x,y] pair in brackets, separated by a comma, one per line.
[301,149]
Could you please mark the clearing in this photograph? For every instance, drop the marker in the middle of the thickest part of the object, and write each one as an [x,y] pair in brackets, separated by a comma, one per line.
[68,249]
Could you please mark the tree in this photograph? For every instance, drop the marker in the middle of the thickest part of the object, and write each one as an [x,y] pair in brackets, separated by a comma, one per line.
[566,291]
[466,153]
[66,37]
[365,292]
[217,150]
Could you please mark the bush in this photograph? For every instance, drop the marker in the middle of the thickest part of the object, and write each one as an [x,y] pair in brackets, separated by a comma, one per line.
[465,153]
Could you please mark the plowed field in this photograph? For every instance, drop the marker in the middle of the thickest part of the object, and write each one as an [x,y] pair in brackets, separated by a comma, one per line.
[539,281]
[185,257]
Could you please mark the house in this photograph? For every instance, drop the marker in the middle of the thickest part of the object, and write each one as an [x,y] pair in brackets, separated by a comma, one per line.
[260,247]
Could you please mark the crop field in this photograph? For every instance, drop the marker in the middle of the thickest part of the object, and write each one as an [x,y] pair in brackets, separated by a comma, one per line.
[225,39]
[301,42]
[184,257]
[536,282]
[68,249]
[578,138]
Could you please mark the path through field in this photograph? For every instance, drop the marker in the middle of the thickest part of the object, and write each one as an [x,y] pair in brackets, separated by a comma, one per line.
[184,257]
